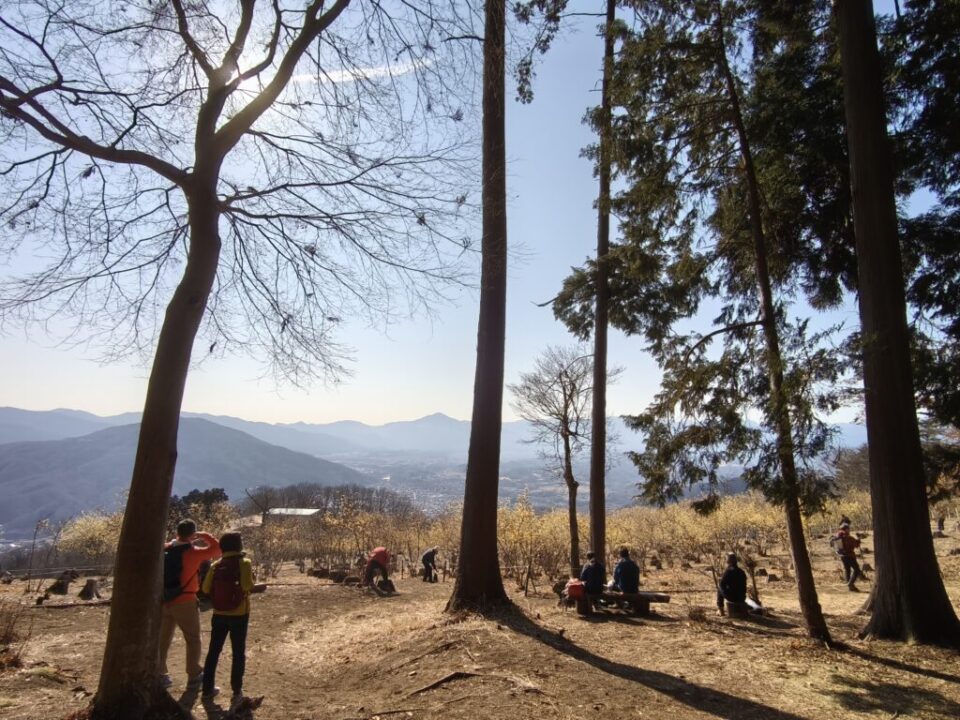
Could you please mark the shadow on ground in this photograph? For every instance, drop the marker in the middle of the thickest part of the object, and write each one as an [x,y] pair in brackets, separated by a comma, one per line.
[698,697]
[868,696]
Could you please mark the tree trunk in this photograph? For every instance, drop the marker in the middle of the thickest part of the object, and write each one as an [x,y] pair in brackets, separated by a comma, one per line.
[572,486]
[129,680]
[479,584]
[598,444]
[909,601]
[779,410]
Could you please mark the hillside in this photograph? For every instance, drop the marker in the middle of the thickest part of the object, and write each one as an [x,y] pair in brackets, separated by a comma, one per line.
[60,478]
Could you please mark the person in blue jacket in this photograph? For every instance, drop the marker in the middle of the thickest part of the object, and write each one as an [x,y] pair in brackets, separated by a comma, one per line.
[626,574]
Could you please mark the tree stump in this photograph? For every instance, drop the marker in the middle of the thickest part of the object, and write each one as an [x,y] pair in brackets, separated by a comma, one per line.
[91,590]
[62,584]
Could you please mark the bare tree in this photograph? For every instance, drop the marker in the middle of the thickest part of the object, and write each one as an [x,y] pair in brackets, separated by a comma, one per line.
[555,398]
[273,167]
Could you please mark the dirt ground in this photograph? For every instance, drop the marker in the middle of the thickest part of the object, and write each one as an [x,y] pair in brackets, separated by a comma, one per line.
[318,650]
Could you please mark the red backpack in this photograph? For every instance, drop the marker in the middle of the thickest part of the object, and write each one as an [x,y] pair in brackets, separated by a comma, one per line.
[226,594]
[575,589]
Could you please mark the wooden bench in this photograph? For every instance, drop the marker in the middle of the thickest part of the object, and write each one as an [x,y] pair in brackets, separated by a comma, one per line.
[639,601]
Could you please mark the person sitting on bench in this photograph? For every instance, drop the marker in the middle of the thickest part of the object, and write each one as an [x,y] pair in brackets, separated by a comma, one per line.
[733,585]
[592,576]
[626,574]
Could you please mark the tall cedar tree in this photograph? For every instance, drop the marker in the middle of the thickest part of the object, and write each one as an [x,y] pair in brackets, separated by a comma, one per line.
[684,150]
[601,320]
[909,601]
[148,143]
[479,584]
[924,51]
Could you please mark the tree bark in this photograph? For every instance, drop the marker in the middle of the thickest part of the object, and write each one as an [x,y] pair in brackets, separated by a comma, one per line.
[598,444]
[129,685]
[572,486]
[909,601]
[479,584]
[779,410]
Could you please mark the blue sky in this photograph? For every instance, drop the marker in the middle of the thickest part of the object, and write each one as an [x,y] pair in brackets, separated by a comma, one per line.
[421,366]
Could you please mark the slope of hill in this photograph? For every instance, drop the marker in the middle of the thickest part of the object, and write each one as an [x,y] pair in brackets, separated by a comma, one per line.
[59,478]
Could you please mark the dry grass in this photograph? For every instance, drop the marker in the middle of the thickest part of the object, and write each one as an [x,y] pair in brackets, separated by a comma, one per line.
[321,650]
[15,630]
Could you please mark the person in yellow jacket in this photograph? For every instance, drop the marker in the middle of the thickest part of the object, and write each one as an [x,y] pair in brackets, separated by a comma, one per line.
[228,583]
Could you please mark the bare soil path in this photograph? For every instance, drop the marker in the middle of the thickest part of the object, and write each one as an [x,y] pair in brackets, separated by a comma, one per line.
[318,650]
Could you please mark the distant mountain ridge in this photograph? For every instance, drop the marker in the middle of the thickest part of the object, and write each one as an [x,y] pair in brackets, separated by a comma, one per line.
[60,462]
[57,479]
[435,434]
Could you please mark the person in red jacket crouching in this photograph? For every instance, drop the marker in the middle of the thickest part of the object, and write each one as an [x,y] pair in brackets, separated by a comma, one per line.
[377,562]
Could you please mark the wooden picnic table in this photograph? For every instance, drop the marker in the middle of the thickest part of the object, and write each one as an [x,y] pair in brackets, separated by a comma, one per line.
[638,601]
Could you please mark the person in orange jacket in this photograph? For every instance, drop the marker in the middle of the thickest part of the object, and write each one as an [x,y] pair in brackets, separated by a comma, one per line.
[182,558]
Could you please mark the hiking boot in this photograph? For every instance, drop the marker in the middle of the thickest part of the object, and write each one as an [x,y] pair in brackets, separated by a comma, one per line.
[208,697]
[195,683]
[165,681]
[235,701]
[853,588]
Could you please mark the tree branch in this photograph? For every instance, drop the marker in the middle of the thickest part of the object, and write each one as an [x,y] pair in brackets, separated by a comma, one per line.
[313,25]
[195,50]
[12,101]
[728,328]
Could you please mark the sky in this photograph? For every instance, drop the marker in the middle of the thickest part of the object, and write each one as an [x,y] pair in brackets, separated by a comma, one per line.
[424,365]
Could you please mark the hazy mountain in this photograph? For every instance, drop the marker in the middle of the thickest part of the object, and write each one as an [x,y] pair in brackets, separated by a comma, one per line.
[84,461]
[19,425]
[315,443]
[60,478]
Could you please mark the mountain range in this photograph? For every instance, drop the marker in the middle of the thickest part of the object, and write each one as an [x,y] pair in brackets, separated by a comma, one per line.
[58,463]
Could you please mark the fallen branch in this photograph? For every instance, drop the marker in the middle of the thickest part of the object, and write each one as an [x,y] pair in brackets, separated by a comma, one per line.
[95,603]
[439,648]
[449,677]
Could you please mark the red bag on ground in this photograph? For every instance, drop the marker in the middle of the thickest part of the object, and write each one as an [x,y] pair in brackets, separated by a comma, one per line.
[575,589]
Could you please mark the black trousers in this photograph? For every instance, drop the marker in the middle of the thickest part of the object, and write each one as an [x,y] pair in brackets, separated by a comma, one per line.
[236,628]
[429,572]
[721,597]
[851,569]
[373,567]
